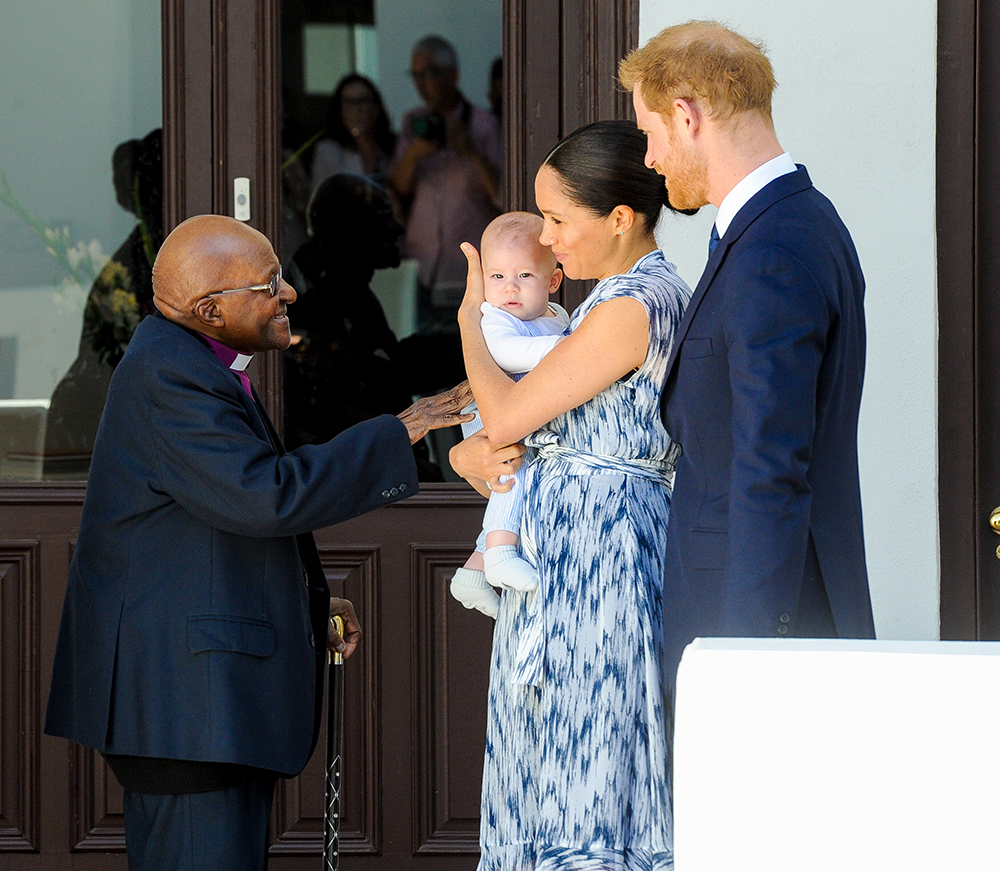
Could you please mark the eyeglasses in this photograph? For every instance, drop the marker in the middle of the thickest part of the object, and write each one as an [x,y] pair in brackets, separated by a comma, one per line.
[272,287]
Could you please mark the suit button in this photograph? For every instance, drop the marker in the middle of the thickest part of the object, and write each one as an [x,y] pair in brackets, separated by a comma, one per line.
[402,488]
[385,494]
[312,640]
[784,618]
[394,491]
[782,629]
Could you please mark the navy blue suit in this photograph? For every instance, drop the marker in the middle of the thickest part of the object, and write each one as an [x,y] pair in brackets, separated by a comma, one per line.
[195,619]
[762,392]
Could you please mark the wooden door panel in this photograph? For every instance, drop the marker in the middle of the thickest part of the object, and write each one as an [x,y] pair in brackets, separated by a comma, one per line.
[20,591]
[451,655]
[414,699]
[353,572]
[415,694]
[988,320]
[968,220]
[53,800]
[96,801]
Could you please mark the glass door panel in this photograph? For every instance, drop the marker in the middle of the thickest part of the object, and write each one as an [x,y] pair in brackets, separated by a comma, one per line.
[81,218]
[375,320]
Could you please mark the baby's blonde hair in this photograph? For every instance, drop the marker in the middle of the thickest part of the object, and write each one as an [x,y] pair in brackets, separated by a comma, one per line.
[516,229]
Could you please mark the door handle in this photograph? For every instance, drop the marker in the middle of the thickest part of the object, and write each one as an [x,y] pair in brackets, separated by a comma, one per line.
[995,525]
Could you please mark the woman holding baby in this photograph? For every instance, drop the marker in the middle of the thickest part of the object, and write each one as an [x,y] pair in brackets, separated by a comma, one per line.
[577,768]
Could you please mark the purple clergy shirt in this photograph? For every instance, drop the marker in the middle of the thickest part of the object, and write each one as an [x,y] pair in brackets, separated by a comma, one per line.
[232,360]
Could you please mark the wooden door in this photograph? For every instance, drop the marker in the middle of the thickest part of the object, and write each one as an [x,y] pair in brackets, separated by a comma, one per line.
[415,709]
[968,189]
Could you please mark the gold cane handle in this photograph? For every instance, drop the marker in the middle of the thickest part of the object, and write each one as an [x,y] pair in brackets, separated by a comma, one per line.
[337,623]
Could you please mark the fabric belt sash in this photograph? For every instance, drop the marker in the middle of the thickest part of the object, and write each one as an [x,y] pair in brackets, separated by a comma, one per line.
[529,621]
[547,447]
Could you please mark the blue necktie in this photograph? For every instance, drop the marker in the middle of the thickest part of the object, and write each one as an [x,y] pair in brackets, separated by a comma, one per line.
[713,240]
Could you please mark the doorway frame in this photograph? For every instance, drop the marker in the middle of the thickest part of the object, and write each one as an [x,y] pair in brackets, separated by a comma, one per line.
[962,534]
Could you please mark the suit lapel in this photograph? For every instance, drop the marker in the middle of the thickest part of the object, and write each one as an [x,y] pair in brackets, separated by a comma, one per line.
[782,187]
[260,422]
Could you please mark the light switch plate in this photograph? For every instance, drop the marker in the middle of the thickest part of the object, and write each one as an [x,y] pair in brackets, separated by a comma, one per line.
[241,199]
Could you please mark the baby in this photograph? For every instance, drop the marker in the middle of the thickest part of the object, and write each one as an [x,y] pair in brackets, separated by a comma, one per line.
[520,326]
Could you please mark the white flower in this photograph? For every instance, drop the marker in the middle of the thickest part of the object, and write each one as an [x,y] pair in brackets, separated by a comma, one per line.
[97,256]
[70,299]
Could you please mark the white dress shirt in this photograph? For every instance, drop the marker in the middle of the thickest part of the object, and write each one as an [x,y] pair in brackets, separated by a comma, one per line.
[751,184]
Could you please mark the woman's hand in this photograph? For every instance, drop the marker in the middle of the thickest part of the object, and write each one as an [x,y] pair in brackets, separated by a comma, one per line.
[482,463]
[345,644]
[475,289]
[608,344]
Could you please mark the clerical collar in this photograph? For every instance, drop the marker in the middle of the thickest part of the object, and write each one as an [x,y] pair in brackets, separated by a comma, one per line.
[233,359]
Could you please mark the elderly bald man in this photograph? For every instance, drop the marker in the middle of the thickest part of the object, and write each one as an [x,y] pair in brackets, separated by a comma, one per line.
[195,626]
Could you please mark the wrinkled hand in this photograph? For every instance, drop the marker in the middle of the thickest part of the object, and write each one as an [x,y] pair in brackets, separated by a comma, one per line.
[352,629]
[434,412]
[475,286]
[478,459]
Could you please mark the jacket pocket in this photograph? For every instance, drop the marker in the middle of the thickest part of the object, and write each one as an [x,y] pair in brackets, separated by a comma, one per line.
[232,634]
[707,548]
[692,349]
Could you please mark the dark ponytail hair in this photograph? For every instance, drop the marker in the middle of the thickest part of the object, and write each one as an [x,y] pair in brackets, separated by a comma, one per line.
[603,166]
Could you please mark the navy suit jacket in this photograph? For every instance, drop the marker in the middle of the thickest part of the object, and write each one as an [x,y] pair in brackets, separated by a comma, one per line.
[762,392]
[194,624]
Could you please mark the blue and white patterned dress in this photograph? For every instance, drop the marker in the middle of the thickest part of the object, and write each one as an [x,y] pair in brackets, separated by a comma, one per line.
[577,771]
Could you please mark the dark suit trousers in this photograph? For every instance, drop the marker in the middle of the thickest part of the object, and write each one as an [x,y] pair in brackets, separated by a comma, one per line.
[224,830]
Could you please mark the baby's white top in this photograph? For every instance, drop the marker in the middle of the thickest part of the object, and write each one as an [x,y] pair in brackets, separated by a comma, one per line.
[518,346]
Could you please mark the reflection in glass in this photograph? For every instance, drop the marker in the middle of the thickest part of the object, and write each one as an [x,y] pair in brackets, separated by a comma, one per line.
[356,137]
[75,180]
[442,175]
[344,365]
[120,297]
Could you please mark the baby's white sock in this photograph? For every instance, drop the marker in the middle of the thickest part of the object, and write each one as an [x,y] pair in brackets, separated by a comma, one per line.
[504,568]
[470,587]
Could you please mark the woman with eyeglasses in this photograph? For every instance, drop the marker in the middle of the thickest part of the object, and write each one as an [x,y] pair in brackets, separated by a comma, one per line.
[357,135]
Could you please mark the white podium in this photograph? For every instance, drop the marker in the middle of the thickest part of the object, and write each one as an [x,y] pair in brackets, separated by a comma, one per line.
[842,755]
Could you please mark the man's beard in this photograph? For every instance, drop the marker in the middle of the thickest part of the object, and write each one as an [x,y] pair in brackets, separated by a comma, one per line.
[687,181]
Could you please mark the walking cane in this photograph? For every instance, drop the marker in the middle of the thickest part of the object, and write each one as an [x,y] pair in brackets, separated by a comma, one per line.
[334,738]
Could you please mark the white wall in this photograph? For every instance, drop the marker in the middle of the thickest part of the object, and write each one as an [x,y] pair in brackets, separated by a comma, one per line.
[855,104]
